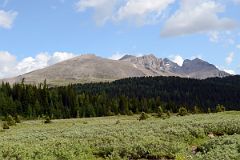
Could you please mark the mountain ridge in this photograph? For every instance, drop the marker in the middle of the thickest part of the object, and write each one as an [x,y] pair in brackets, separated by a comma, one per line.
[91,68]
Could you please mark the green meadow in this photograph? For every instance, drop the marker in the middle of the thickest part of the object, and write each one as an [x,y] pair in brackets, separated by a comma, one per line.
[201,136]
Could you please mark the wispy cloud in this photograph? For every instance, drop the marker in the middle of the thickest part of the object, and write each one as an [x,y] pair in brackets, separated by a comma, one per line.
[238,46]
[230,57]
[103,9]
[117,56]
[232,72]
[5,3]
[141,11]
[7,18]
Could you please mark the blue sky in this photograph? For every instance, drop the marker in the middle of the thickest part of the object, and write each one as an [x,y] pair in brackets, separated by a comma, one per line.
[36,34]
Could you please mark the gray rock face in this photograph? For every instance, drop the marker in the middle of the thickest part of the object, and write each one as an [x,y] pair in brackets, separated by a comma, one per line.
[172,66]
[200,69]
[90,68]
[195,68]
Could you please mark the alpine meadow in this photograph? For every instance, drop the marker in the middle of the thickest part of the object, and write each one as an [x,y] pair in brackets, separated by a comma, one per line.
[120,80]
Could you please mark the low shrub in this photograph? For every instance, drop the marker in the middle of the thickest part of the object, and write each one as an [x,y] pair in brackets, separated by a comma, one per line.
[5,126]
[10,121]
[160,112]
[17,119]
[117,122]
[143,116]
[47,120]
[220,108]
[182,111]
[209,110]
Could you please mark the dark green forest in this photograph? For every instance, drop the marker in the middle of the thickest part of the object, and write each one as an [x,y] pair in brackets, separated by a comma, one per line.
[126,96]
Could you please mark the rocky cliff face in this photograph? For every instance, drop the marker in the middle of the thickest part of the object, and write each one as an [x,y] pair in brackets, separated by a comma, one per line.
[195,68]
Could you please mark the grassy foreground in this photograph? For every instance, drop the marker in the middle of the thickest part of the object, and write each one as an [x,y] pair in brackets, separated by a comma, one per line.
[204,136]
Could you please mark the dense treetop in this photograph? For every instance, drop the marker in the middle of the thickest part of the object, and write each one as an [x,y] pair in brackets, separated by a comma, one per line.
[126,96]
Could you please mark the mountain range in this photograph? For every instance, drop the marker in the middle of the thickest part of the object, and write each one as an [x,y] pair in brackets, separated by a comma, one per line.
[90,68]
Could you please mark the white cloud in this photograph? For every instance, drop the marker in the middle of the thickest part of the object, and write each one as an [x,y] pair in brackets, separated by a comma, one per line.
[197,16]
[60,56]
[103,9]
[230,57]
[142,11]
[10,67]
[238,46]
[230,71]
[7,18]
[177,59]
[82,5]
[7,62]
[116,56]
[29,64]
[214,36]
[139,12]
[236,1]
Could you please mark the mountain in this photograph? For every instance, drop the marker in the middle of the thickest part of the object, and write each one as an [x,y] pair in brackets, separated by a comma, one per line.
[195,68]
[200,69]
[149,62]
[91,68]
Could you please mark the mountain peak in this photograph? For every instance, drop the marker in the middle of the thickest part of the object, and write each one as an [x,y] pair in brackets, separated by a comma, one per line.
[88,55]
[150,56]
[197,59]
[127,56]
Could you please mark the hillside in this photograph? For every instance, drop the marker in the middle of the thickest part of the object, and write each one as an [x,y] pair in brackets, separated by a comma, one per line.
[91,68]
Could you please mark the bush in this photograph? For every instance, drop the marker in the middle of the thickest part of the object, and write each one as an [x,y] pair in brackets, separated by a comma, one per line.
[168,114]
[118,121]
[182,111]
[160,112]
[17,119]
[220,108]
[10,120]
[196,110]
[47,120]
[110,113]
[85,122]
[143,116]
[130,113]
[5,126]
[209,110]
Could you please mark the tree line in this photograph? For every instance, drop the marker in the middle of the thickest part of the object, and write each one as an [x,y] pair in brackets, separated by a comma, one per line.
[126,96]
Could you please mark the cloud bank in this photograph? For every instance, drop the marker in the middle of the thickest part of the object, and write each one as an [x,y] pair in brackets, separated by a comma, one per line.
[192,16]
[197,16]
[9,66]
[139,12]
